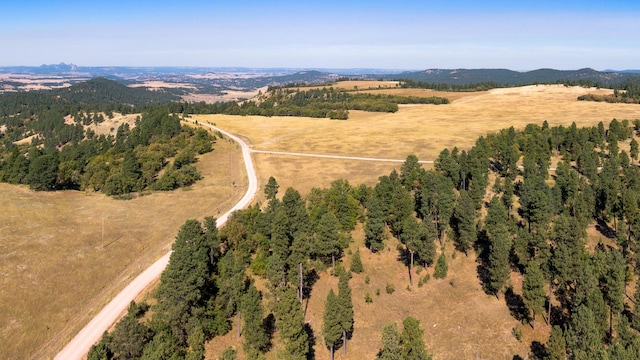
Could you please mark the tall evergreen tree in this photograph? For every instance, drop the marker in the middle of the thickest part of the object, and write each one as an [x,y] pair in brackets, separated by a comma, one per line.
[327,242]
[182,283]
[413,347]
[331,329]
[271,189]
[391,347]
[556,346]
[533,292]
[356,263]
[436,200]
[465,214]
[345,304]
[582,334]
[499,250]
[374,228]
[290,322]
[256,338]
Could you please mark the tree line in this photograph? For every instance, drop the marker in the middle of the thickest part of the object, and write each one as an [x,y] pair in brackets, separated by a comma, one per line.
[156,154]
[318,103]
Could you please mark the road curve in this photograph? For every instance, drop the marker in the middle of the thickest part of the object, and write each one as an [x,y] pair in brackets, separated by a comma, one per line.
[80,345]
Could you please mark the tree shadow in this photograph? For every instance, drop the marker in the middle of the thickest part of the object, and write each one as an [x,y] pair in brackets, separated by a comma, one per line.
[604,229]
[515,303]
[309,280]
[269,326]
[312,341]
[481,247]
[538,350]
[403,255]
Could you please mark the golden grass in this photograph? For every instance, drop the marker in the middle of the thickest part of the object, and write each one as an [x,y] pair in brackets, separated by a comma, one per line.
[424,130]
[54,272]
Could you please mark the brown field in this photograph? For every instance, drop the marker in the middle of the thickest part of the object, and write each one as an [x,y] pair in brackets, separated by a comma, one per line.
[57,269]
[424,130]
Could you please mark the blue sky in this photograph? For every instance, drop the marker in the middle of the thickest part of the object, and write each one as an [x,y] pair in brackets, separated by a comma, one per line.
[519,35]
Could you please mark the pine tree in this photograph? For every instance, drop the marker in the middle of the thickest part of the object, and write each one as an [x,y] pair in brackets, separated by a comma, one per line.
[436,200]
[391,347]
[465,215]
[411,235]
[499,249]
[356,263]
[271,189]
[331,329]
[440,272]
[533,292]
[182,283]
[556,346]
[633,151]
[615,284]
[635,323]
[290,322]
[374,228]
[256,339]
[582,335]
[345,304]
[413,347]
[327,243]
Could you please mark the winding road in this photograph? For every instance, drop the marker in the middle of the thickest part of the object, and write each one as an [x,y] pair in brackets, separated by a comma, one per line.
[80,345]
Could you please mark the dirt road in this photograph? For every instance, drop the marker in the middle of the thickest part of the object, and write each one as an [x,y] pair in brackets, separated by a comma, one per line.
[79,346]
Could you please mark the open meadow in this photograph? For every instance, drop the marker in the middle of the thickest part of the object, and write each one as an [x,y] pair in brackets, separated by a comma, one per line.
[424,130]
[65,254]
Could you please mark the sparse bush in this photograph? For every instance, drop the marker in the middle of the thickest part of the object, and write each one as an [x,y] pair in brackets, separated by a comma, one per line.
[517,332]
[367,298]
[367,280]
[390,289]
[423,280]
[377,292]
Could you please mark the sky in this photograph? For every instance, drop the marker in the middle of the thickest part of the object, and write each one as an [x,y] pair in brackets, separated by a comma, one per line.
[405,35]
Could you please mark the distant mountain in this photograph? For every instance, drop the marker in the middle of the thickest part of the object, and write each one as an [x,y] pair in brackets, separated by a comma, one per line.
[209,80]
[510,77]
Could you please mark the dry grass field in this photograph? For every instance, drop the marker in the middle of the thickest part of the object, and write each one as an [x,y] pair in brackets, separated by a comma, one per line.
[57,269]
[424,130]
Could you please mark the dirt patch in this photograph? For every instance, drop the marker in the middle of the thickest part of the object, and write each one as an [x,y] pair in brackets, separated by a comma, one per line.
[228,95]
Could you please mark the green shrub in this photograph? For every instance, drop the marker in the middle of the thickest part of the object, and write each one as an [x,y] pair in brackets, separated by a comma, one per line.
[367,298]
[441,267]
[390,289]
[356,263]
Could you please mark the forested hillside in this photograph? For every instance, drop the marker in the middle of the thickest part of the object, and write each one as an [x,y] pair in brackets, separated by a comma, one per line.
[64,152]
[500,202]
